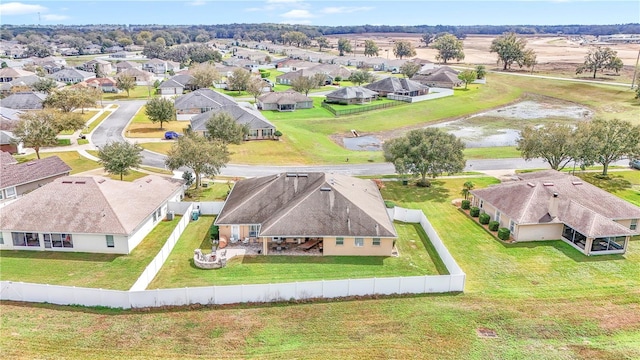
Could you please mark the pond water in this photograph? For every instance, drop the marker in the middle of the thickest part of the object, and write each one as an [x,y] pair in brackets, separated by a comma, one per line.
[368,143]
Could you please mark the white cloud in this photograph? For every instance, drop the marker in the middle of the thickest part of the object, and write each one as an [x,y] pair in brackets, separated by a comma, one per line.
[297,22]
[345,9]
[16,8]
[54,17]
[198,3]
[297,14]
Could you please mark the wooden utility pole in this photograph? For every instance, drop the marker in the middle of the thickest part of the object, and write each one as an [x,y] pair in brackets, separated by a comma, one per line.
[635,70]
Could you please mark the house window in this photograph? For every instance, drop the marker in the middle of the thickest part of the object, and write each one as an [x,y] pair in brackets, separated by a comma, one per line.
[253,132]
[481,204]
[110,242]
[159,213]
[267,132]
[57,240]
[1,194]
[512,226]
[1,238]
[359,242]
[10,192]
[254,230]
[339,241]
[25,239]
[376,241]
[497,216]
[634,224]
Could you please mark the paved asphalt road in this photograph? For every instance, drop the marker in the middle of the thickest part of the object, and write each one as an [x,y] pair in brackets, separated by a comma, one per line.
[112,128]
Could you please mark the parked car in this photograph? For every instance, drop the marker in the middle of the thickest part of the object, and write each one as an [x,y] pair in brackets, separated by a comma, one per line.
[170,135]
[635,164]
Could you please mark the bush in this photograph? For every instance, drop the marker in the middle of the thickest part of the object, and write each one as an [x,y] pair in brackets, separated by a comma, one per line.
[277,133]
[484,218]
[474,212]
[337,78]
[389,204]
[465,205]
[494,225]
[504,234]
[83,141]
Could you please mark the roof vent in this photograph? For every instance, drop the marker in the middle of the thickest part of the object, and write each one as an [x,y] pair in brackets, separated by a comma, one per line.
[101,181]
[303,175]
[81,182]
[31,163]
[576,182]
[531,184]
[148,180]
[325,189]
[67,182]
[547,184]
[292,175]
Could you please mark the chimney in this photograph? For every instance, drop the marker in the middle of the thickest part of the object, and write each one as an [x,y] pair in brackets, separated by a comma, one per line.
[553,206]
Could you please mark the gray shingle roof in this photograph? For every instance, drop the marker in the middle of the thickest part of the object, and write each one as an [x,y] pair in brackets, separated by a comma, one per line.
[14,174]
[10,115]
[314,204]
[243,115]
[180,80]
[583,206]
[24,101]
[284,97]
[203,98]
[89,205]
[352,92]
[393,84]
[68,73]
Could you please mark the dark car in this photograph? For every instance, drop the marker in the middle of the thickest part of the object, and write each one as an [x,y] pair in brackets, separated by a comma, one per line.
[170,135]
[635,164]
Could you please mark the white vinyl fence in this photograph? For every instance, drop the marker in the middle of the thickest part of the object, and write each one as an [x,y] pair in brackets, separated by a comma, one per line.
[434,93]
[66,295]
[156,264]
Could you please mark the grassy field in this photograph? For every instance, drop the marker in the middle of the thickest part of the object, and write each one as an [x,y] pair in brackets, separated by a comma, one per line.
[179,270]
[623,184]
[140,92]
[497,152]
[77,162]
[107,271]
[543,300]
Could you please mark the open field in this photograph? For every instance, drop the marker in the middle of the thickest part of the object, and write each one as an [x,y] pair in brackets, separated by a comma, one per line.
[179,270]
[107,271]
[542,300]
[138,93]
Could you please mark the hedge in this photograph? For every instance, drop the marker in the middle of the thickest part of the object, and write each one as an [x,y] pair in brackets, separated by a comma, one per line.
[474,212]
[389,204]
[494,225]
[63,142]
[504,233]
[484,218]
[465,205]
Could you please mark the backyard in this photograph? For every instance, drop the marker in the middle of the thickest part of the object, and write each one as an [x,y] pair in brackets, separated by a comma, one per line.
[107,271]
[416,259]
[76,162]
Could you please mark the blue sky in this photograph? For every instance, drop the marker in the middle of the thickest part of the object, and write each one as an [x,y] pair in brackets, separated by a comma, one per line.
[325,12]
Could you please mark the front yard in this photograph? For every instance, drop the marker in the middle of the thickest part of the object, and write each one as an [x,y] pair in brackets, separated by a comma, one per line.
[142,127]
[77,162]
[415,259]
[107,271]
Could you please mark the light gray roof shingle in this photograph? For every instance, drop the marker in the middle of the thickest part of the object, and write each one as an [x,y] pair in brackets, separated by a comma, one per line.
[242,115]
[283,97]
[309,205]
[89,205]
[352,92]
[203,98]
[24,101]
[14,174]
[393,84]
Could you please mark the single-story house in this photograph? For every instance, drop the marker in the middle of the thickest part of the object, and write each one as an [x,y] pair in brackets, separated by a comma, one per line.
[124,65]
[24,101]
[9,117]
[441,77]
[106,84]
[20,178]
[259,127]
[289,100]
[176,85]
[347,215]
[398,86]
[10,74]
[330,71]
[158,66]
[103,66]
[548,205]
[87,214]
[141,77]
[200,101]
[351,95]
[70,75]
[9,144]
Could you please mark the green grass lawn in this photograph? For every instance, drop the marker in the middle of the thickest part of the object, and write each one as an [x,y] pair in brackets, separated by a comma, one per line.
[77,162]
[623,184]
[137,93]
[142,127]
[497,152]
[107,271]
[179,270]
[214,191]
[94,124]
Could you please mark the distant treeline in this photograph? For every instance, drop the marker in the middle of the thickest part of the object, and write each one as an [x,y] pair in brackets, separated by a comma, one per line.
[109,35]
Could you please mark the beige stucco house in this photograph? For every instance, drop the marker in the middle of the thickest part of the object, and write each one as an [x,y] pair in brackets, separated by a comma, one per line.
[345,215]
[550,205]
[87,214]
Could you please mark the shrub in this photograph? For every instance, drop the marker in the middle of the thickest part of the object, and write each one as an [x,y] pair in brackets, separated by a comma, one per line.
[494,225]
[389,204]
[474,212]
[504,233]
[465,205]
[337,78]
[83,141]
[484,218]
[277,133]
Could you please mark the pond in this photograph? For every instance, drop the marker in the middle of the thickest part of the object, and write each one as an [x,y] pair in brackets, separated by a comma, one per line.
[367,143]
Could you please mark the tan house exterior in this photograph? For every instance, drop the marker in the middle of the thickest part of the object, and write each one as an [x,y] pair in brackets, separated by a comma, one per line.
[550,205]
[344,215]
